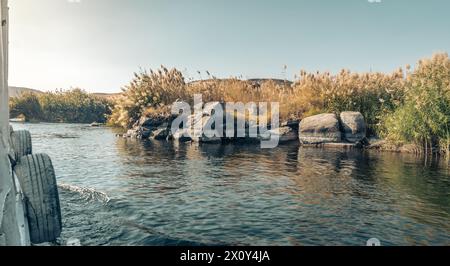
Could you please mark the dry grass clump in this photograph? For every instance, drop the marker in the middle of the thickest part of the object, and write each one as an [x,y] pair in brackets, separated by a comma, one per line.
[370,93]
[153,92]
[149,90]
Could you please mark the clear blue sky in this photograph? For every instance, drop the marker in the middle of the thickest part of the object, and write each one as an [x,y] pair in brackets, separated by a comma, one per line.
[98,44]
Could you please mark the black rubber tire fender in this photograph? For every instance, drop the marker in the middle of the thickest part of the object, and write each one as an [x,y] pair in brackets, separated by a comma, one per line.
[37,178]
[22,145]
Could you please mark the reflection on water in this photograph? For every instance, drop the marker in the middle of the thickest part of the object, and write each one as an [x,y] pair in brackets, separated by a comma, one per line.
[182,194]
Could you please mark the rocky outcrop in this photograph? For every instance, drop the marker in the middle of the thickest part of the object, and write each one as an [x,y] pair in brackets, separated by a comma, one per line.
[321,131]
[353,126]
[155,128]
[324,128]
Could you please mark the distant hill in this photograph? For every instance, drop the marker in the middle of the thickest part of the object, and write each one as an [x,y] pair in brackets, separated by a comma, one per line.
[251,81]
[17,91]
[276,81]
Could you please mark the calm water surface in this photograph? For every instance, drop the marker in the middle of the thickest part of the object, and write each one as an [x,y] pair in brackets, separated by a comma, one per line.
[125,192]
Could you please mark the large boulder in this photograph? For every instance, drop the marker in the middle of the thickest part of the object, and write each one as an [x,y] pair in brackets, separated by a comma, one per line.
[324,128]
[354,126]
[202,123]
[154,128]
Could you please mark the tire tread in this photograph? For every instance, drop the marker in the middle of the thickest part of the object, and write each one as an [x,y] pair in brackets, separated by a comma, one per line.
[37,177]
[22,143]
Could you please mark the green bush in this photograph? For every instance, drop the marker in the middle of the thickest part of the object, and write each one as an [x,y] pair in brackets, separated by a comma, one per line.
[424,118]
[72,106]
[27,105]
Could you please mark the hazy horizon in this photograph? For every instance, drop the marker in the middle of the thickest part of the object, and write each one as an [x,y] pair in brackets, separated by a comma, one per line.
[98,44]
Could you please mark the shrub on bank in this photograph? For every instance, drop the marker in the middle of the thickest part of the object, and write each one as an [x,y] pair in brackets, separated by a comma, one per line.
[27,105]
[372,94]
[72,106]
[424,118]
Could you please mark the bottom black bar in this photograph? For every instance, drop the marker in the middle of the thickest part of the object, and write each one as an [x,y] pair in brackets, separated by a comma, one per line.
[225,255]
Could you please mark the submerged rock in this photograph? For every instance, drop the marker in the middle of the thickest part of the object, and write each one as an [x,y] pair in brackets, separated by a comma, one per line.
[354,126]
[138,133]
[324,128]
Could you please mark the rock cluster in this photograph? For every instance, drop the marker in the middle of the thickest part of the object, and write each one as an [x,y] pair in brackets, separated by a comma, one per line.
[349,128]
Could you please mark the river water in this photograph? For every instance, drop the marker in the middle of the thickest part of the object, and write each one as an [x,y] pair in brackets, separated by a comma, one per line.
[125,192]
